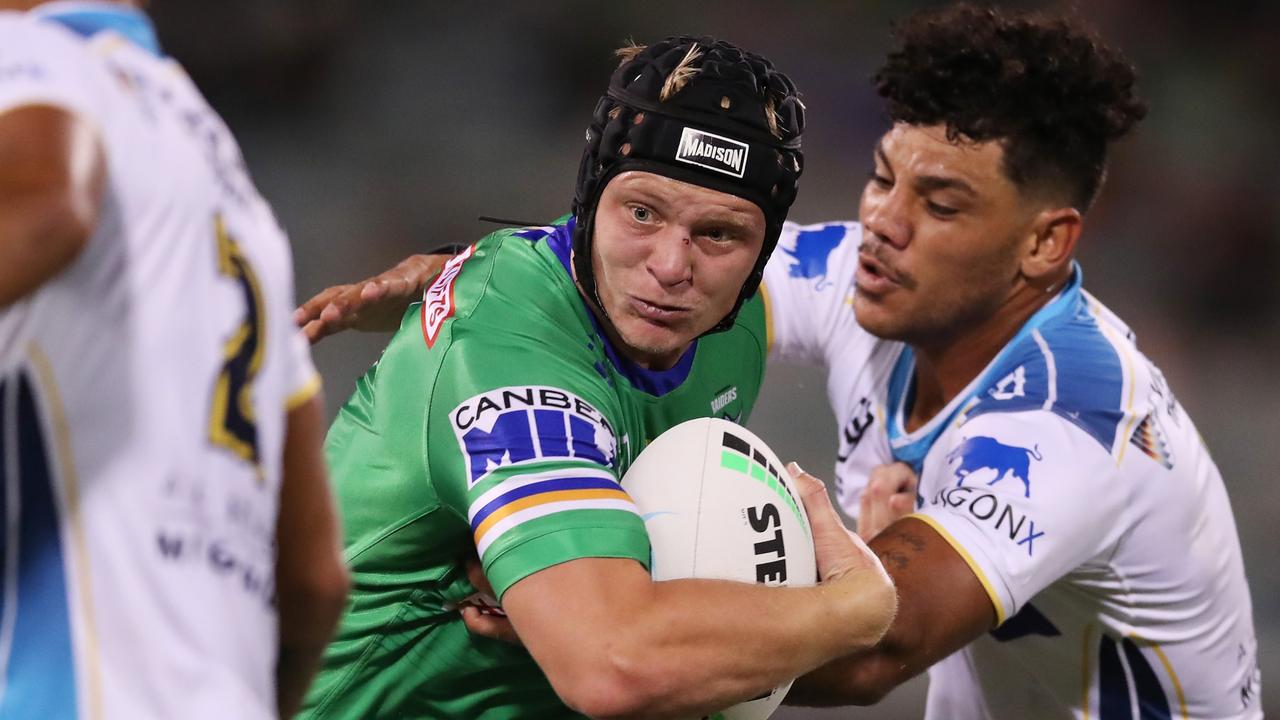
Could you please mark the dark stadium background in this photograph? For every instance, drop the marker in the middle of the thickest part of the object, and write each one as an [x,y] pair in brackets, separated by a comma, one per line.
[378,129]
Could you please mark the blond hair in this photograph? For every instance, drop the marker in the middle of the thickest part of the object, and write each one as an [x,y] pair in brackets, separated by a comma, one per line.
[685,71]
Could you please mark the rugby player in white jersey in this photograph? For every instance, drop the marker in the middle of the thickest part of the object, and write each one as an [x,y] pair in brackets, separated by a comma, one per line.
[169,543]
[1072,551]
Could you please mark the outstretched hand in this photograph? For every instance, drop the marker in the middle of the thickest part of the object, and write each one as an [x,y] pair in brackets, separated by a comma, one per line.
[373,305]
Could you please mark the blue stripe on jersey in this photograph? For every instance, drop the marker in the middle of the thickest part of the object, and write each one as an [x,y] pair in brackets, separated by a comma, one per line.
[1113,684]
[1089,377]
[537,488]
[89,19]
[40,673]
[1059,360]
[1153,704]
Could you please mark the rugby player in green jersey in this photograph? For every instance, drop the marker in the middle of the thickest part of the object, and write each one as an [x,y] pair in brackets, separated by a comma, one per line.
[511,400]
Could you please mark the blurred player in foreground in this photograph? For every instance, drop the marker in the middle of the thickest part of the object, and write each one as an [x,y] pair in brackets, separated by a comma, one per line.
[505,409]
[169,543]
[1074,540]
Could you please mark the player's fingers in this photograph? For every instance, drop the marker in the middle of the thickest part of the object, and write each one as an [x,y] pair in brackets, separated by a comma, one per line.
[374,290]
[310,310]
[806,484]
[331,314]
[497,627]
[838,550]
[876,519]
[315,331]
[900,505]
[866,515]
[901,477]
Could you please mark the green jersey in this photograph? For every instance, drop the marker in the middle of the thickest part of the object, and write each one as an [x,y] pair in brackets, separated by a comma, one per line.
[498,421]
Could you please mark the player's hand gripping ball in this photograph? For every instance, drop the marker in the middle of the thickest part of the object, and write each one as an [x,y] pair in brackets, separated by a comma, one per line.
[718,504]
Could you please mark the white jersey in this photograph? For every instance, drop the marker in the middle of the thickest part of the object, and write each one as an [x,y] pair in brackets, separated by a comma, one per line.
[143,396]
[1072,483]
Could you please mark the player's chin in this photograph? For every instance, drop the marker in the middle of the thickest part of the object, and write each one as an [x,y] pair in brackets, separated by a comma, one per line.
[658,341]
[877,316]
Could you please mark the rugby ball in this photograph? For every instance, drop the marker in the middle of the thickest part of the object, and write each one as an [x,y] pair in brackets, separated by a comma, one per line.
[719,504]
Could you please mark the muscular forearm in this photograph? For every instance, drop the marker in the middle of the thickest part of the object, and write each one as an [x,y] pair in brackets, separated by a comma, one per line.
[731,648]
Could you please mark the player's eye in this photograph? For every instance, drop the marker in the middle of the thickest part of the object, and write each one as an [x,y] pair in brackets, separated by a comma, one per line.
[941,211]
[879,180]
[640,213]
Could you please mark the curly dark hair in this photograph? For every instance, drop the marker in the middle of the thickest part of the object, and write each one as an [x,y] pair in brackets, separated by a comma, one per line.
[1046,87]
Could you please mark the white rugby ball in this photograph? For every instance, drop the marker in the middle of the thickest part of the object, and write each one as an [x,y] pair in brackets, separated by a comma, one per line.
[718,504]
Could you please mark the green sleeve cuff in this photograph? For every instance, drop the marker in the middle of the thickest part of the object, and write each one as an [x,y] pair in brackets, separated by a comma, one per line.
[539,553]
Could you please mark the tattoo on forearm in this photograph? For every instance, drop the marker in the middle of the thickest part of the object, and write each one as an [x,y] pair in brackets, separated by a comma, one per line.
[896,547]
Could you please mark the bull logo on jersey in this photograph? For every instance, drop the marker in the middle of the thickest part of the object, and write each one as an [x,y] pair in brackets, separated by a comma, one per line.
[984,453]
[813,249]
[513,425]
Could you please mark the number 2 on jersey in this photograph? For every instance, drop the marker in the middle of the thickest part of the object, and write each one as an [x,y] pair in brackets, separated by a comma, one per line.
[232,424]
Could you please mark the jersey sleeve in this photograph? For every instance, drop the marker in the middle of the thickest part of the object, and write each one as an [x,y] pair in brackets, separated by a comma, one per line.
[303,380]
[1024,498]
[808,288]
[522,442]
[44,65]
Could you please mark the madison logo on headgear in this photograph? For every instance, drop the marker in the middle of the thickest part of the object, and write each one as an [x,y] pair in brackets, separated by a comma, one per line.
[519,424]
[713,152]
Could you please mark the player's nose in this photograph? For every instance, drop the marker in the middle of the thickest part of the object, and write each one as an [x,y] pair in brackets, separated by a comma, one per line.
[670,258]
[884,213]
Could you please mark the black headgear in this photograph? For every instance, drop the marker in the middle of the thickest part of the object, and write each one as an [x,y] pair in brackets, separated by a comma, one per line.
[714,132]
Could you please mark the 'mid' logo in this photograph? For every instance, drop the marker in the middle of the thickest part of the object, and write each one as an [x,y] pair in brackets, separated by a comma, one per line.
[713,152]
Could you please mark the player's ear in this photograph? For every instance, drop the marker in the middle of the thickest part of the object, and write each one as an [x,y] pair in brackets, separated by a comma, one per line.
[1050,245]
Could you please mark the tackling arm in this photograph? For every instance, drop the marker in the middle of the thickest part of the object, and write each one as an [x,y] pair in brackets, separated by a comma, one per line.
[942,606]
[375,304]
[52,174]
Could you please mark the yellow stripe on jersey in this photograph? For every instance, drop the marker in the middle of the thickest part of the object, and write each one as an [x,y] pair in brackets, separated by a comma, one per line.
[542,499]
[1168,668]
[973,565]
[300,396]
[80,549]
[768,317]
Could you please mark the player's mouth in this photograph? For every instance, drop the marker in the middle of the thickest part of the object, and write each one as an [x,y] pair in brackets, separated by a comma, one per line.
[656,312]
[874,277]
